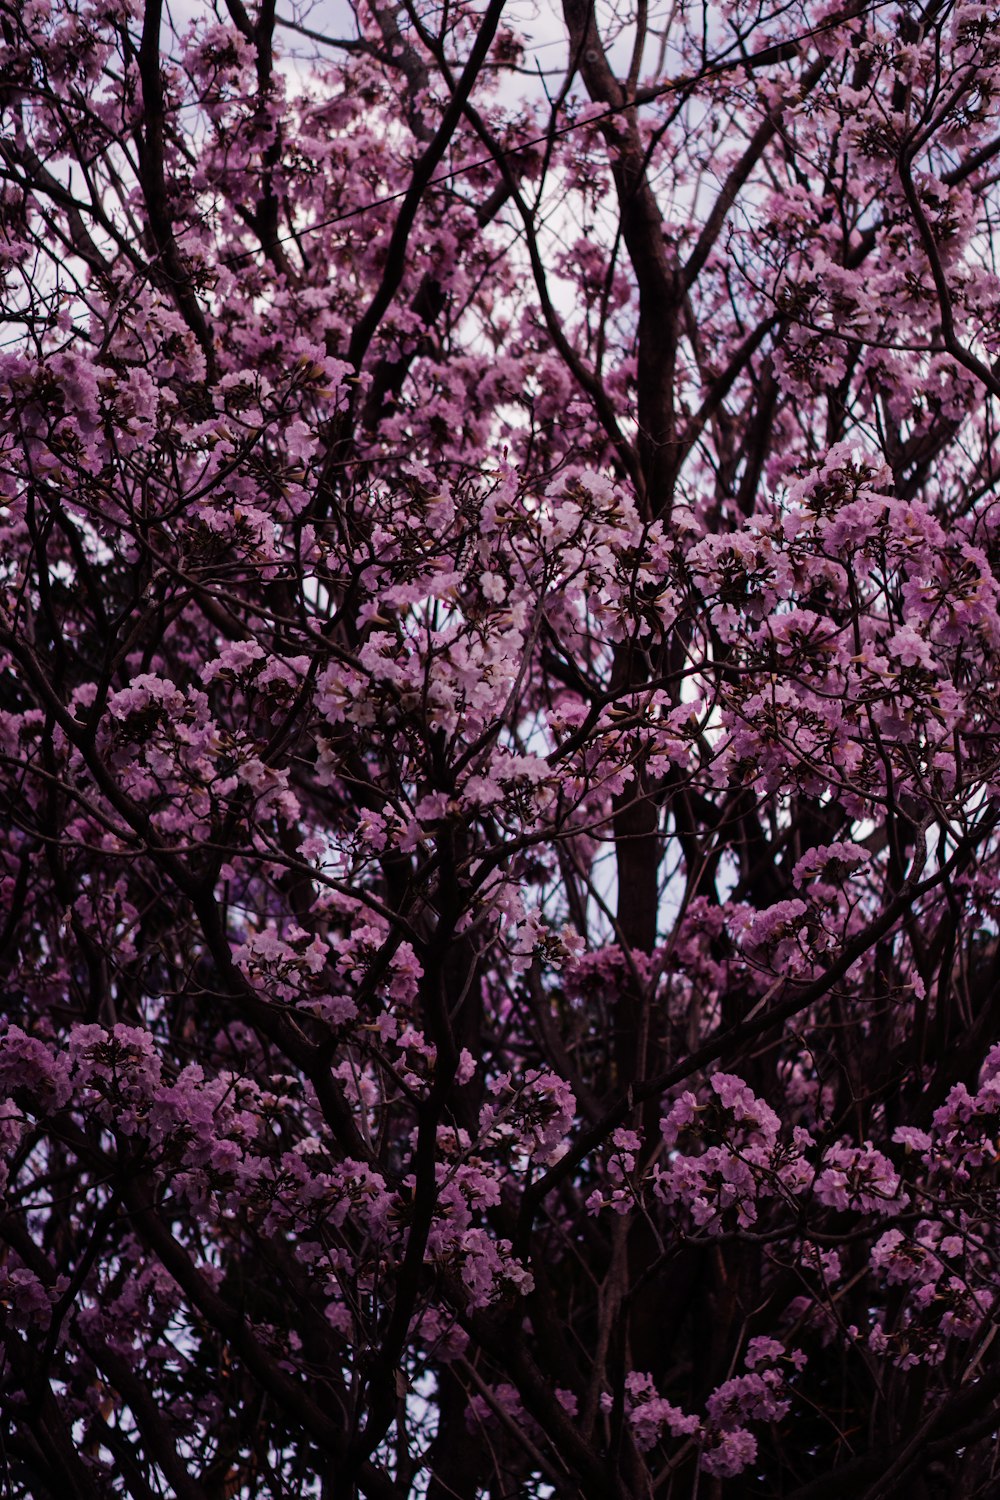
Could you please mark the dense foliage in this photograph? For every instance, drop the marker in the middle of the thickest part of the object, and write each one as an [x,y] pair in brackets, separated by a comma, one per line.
[499,750]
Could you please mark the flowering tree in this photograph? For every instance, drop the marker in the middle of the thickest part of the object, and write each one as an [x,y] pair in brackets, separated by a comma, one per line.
[499,751]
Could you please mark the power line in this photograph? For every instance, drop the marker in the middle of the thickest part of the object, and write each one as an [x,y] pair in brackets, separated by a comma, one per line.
[778,52]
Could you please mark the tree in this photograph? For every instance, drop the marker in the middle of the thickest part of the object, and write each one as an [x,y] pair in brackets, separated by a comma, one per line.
[499,745]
